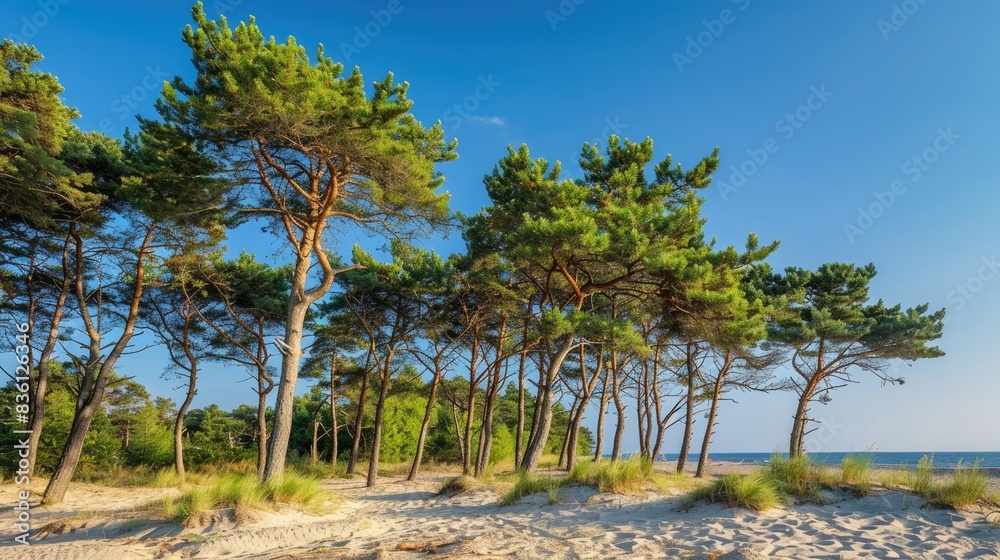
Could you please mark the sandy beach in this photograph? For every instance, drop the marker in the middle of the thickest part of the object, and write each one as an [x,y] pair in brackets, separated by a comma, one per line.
[403,520]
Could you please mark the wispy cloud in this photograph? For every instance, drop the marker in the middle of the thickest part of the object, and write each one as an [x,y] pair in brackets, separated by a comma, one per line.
[494,120]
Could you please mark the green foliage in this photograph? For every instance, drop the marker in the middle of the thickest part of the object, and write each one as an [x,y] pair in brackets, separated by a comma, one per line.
[403,415]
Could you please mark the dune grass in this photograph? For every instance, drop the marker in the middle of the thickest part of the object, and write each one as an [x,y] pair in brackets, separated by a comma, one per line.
[244,494]
[458,485]
[967,486]
[528,484]
[620,477]
[856,469]
[756,491]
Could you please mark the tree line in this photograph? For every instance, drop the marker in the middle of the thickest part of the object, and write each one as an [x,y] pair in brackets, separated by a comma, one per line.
[572,296]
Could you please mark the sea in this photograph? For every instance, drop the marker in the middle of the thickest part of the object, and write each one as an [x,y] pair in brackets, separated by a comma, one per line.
[942,459]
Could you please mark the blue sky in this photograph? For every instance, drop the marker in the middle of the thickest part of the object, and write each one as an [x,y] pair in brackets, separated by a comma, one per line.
[851,131]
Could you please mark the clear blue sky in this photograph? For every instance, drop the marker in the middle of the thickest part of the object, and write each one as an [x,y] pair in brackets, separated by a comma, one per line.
[839,97]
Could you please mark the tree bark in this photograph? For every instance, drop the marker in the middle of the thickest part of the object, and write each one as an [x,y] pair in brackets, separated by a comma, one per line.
[519,436]
[471,408]
[601,414]
[689,411]
[709,429]
[37,412]
[377,439]
[543,405]
[298,306]
[359,418]
[426,423]
[333,410]
[95,372]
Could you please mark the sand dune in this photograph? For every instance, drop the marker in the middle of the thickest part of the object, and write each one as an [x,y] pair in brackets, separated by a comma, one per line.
[407,520]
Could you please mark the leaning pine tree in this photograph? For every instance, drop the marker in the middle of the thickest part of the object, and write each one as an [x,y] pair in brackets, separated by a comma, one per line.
[310,148]
[833,332]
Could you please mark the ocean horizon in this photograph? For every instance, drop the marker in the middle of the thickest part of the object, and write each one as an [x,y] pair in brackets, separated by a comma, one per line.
[942,459]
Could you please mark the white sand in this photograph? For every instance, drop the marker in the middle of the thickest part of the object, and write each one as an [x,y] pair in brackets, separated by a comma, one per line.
[406,520]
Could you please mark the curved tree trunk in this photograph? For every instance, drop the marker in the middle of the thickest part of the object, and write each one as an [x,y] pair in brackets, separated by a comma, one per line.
[359,419]
[543,405]
[425,424]
[470,416]
[601,413]
[709,429]
[689,412]
[95,373]
[519,436]
[796,442]
[377,438]
[179,425]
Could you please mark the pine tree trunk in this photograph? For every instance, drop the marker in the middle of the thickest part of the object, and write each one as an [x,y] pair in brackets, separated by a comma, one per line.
[519,436]
[179,426]
[601,414]
[426,423]
[707,441]
[261,420]
[298,306]
[536,444]
[333,410]
[358,419]
[377,439]
[688,413]
[471,408]
[796,442]
[94,382]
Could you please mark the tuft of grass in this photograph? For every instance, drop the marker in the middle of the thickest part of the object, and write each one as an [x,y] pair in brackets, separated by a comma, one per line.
[458,485]
[968,486]
[527,485]
[794,472]
[922,481]
[619,477]
[293,488]
[896,478]
[856,469]
[755,491]
[244,494]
